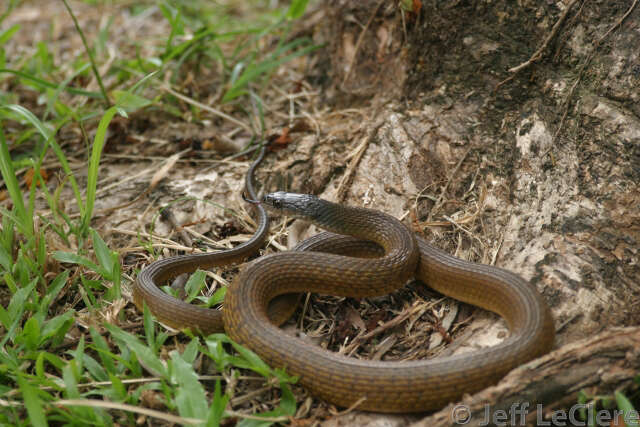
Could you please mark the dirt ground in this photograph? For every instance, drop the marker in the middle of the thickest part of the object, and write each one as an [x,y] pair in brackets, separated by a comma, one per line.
[420,113]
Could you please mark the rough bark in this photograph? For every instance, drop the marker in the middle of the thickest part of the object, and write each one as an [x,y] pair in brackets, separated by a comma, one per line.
[607,362]
[536,171]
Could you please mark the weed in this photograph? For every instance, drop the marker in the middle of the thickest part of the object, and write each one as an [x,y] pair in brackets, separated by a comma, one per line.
[63,360]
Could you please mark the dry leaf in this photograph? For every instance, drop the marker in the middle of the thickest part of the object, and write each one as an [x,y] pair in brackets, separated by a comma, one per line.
[208,144]
[162,172]
[354,318]
[28,177]
[283,139]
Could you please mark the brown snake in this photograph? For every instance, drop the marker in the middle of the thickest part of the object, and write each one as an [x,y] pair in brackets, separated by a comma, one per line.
[263,289]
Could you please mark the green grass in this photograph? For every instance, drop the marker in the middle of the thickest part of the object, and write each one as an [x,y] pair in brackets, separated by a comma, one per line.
[596,410]
[55,368]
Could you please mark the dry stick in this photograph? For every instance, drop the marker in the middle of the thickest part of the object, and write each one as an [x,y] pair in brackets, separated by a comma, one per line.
[445,188]
[538,54]
[154,181]
[206,107]
[128,408]
[246,397]
[359,42]
[157,414]
[350,408]
[345,183]
[381,328]
[571,23]
[104,188]
[141,234]
[567,101]
[466,219]
[461,228]
[617,24]
[95,384]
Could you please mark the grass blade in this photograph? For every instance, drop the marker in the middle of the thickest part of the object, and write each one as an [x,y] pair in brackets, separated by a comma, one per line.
[630,414]
[190,396]
[73,258]
[49,140]
[9,176]
[218,405]
[296,9]
[254,72]
[194,284]
[96,73]
[6,35]
[103,254]
[146,357]
[43,84]
[94,162]
[33,403]
[61,88]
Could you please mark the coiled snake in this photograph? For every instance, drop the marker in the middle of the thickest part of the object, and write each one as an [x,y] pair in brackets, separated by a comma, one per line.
[264,289]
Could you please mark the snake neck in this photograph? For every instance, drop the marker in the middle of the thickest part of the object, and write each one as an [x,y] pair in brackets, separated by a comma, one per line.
[362,223]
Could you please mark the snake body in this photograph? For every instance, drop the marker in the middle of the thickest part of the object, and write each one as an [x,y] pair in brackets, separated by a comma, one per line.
[178,314]
[263,291]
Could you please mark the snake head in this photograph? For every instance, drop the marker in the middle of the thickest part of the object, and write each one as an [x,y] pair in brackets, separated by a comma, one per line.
[303,206]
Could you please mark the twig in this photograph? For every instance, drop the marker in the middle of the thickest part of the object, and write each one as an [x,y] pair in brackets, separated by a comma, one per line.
[538,54]
[567,101]
[156,414]
[461,228]
[257,417]
[345,183]
[445,188]
[381,328]
[617,24]
[96,384]
[212,110]
[350,408]
[565,36]
[359,42]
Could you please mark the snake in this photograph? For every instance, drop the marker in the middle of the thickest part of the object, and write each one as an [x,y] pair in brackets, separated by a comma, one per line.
[362,253]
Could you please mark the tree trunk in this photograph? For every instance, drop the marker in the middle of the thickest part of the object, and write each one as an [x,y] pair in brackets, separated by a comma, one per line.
[509,133]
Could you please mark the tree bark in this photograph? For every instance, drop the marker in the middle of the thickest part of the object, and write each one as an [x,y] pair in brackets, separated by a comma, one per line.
[531,393]
[510,135]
